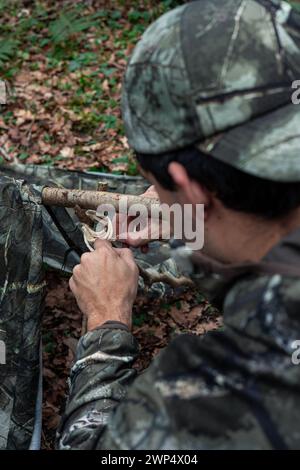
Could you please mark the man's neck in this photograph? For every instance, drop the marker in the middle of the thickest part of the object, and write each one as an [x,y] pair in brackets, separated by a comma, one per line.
[253,238]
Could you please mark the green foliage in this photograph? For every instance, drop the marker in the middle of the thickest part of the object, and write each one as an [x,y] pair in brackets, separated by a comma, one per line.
[172,3]
[109,121]
[8,49]
[139,320]
[68,24]
[167,307]
[296,5]
[132,166]
[135,16]
[82,60]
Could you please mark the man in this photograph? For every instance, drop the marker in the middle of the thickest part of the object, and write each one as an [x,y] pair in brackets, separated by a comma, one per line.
[207,108]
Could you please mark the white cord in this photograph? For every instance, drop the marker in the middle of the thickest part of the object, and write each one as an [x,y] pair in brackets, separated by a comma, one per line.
[105,233]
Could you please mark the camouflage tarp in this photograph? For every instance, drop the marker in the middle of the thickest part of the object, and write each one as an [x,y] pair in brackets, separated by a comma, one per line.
[45,175]
[21,294]
[32,235]
[57,253]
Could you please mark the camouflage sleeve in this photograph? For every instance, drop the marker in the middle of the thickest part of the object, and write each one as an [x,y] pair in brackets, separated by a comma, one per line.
[198,393]
[234,388]
[184,400]
[98,382]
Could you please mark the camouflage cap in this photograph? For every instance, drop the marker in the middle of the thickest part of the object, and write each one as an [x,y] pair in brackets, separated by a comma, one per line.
[218,75]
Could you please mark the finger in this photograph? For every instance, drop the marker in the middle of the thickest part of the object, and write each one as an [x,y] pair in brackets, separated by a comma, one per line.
[130,263]
[136,242]
[102,245]
[76,271]
[72,284]
[137,239]
[85,257]
[124,253]
[127,256]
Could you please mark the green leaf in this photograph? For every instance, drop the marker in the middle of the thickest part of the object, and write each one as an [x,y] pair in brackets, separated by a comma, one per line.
[23,156]
[120,160]
[139,320]
[8,49]
[68,24]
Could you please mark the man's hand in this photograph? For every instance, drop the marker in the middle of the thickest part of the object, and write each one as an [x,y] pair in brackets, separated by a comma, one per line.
[152,229]
[105,284]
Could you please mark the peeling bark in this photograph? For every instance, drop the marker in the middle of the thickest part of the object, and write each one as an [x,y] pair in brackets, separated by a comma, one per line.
[93,199]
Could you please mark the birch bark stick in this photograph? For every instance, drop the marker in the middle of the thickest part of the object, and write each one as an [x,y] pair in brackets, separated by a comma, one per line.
[93,199]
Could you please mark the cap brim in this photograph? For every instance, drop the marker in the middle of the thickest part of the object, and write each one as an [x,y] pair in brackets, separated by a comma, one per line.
[267,147]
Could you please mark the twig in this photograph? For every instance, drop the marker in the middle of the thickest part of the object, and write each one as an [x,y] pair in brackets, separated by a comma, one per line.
[93,199]
[151,276]
[6,155]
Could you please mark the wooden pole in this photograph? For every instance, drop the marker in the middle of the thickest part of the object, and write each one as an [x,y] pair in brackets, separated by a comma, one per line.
[93,199]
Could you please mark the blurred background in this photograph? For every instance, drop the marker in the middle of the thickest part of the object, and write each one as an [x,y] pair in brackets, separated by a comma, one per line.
[65,61]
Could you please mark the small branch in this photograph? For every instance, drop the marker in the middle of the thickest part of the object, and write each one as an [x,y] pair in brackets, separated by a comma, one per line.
[151,276]
[93,199]
[6,156]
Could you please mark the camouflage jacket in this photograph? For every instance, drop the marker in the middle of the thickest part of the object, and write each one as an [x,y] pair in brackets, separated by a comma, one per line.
[235,388]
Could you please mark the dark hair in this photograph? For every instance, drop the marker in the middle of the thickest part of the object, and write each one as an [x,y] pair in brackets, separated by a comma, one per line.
[237,190]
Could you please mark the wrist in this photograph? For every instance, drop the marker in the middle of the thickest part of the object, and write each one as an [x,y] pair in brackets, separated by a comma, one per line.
[97,319]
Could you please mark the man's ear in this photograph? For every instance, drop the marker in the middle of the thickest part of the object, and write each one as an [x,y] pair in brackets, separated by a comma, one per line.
[189,191]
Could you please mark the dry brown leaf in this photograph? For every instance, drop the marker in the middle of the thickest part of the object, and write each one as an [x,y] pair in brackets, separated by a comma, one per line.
[67,152]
